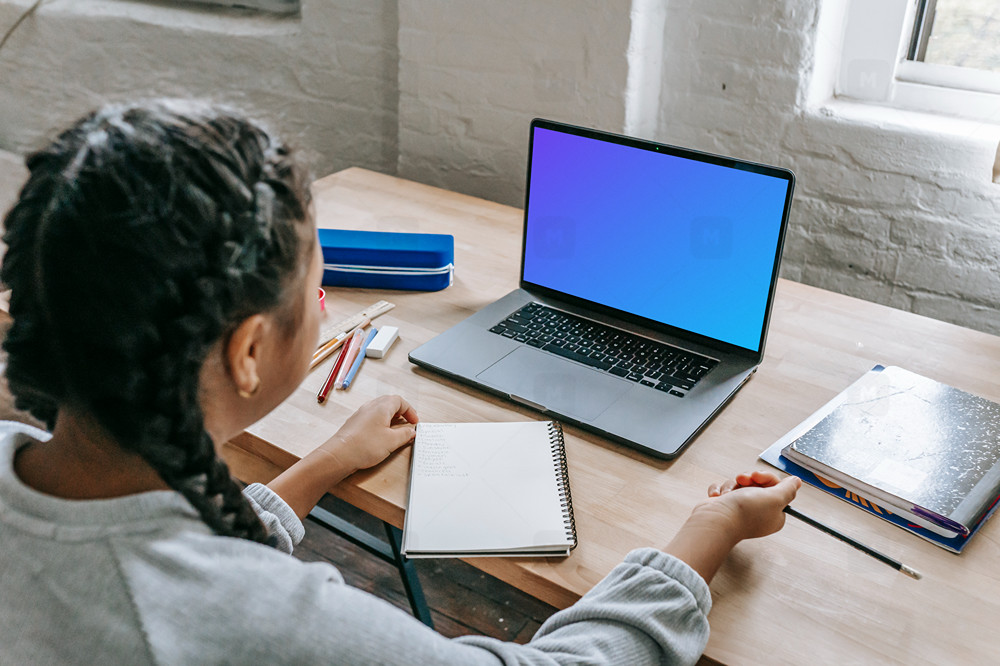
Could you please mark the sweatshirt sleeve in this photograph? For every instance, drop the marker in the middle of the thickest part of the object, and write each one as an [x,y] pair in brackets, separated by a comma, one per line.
[651,609]
[282,524]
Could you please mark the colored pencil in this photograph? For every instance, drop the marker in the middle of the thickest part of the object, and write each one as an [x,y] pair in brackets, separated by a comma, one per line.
[328,384]
[352,353]
[359,358]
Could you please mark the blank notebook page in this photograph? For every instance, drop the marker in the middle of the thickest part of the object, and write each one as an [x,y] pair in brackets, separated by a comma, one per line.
[484,487]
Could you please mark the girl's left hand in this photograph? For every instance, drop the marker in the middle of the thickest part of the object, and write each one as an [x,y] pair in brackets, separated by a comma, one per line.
[377,429]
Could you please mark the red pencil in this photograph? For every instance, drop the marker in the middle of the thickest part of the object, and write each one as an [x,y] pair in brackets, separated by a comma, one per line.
[328,384]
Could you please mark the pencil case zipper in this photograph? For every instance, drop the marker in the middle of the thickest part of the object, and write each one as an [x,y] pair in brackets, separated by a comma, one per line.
[447,269]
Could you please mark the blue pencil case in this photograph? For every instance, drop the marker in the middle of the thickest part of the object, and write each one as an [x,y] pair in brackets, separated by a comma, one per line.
[387,260]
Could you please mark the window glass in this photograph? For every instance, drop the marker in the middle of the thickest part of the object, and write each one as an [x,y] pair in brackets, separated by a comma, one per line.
[964,33]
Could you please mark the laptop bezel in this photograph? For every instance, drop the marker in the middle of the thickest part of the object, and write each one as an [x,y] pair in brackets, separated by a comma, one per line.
[666,149]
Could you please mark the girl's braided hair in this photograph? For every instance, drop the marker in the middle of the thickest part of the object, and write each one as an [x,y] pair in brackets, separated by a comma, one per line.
[145,234]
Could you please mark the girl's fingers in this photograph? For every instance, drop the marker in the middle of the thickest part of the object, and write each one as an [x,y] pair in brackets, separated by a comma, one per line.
[757,478]
[764,479]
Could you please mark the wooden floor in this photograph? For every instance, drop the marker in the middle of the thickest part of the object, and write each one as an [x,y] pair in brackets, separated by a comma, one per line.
[462,599]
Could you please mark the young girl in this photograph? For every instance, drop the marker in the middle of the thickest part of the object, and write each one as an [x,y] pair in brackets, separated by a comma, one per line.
[164,265]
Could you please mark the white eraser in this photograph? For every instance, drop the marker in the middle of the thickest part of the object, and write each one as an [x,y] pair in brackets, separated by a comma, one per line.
[382,341]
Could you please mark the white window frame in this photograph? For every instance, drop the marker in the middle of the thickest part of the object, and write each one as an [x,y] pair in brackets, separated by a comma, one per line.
[874,68]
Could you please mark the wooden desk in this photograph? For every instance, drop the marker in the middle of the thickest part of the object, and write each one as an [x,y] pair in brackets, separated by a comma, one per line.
[796,596]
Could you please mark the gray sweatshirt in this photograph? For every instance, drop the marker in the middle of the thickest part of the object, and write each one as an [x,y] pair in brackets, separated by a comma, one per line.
[140,579]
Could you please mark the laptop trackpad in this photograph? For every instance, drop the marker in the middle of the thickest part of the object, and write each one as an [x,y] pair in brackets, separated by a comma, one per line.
[554,383]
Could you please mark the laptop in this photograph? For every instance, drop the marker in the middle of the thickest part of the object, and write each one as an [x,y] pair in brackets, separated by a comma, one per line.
[647,278]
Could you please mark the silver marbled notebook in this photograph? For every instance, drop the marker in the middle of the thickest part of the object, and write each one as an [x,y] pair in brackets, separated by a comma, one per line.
[911,443]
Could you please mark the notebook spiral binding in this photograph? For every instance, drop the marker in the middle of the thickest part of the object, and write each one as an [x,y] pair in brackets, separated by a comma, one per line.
[562,472]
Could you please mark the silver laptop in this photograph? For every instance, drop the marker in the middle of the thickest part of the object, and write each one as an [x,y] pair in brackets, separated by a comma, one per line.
[647,277]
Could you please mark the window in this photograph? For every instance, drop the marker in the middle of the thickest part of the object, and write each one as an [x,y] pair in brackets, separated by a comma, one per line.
[940,56]
[960,33]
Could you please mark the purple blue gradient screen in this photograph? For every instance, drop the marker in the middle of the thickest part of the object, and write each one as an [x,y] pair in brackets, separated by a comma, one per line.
[679,241]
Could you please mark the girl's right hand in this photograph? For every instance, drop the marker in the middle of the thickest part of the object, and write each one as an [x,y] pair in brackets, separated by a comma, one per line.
[747,506]
[757,509]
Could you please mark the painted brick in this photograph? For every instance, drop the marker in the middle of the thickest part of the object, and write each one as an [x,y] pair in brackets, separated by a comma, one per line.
[975,283]
[949,309]
[930,236]
[326,80]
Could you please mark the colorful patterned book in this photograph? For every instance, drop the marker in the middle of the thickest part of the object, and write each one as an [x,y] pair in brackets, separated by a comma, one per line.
[917,453]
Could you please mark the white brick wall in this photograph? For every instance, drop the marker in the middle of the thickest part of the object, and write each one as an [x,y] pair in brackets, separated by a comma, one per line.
[327,81]
[896,208]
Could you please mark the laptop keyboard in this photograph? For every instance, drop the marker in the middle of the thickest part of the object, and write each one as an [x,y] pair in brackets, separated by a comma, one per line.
[611,350]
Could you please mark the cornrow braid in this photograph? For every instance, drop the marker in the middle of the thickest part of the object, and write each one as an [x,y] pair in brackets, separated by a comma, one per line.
[145,234]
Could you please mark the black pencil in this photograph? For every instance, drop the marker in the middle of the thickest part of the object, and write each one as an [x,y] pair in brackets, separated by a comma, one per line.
[899,566]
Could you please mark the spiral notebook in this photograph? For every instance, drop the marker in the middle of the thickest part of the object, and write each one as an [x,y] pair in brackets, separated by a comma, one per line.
[488,490]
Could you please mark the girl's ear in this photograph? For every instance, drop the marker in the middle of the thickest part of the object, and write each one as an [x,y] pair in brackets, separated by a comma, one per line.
[243,354]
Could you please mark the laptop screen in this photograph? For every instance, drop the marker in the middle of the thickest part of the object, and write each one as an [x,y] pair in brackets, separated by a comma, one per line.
[677,237]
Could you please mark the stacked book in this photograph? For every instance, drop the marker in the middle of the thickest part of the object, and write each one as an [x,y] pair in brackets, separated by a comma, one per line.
[916,452]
